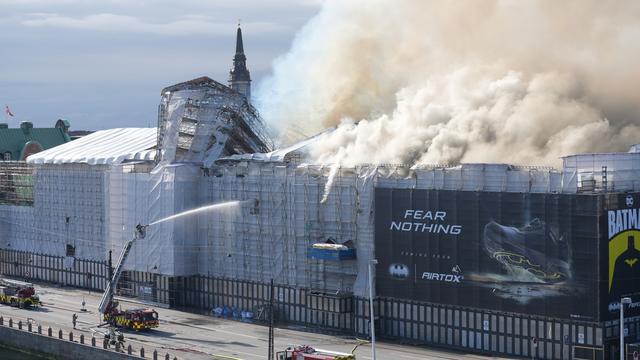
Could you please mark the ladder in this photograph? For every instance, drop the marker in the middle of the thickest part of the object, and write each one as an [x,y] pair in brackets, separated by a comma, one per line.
[107,297]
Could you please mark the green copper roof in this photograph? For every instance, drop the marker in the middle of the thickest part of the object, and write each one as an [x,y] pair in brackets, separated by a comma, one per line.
[14,139]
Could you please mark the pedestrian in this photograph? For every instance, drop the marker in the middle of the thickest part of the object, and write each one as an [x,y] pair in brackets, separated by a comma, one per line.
[74,318]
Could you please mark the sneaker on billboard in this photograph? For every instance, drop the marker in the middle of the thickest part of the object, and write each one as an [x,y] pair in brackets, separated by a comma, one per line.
[532,248]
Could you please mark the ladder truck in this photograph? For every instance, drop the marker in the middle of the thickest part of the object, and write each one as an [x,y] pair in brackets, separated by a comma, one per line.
[134,319]
[18,293]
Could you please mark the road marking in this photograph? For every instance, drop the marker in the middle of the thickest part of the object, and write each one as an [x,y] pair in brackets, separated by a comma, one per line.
[225,357]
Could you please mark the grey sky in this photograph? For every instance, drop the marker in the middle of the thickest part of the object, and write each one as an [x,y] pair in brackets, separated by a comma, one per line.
[102,64]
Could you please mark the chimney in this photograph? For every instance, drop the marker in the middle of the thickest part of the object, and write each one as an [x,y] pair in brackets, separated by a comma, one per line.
[62,124]
[26,127]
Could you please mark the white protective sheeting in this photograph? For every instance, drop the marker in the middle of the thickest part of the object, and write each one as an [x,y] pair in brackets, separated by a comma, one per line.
[268,236]
[17,228]
[599,172]
[471,177]
[94,209]
[142,198]
[69,212]
[104,147]
[70,209]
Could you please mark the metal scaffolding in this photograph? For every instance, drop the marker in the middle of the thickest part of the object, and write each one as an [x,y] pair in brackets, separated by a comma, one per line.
[202,120]
[16,183]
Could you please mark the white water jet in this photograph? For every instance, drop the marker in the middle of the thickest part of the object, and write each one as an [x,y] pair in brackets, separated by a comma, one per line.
[332,178]
[201,209]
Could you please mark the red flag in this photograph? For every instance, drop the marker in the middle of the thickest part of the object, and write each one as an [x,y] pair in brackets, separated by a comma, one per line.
[7,110]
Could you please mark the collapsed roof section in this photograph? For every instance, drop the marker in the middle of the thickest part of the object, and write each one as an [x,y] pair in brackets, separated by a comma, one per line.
[296,153]
[202,120]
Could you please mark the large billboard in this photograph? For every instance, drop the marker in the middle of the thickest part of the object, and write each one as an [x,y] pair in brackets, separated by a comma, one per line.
[621,231]
[514,252]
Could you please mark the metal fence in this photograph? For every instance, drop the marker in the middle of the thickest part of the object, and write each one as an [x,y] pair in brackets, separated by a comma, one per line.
[292,305]
[480,330]
[86,274]
[408,321]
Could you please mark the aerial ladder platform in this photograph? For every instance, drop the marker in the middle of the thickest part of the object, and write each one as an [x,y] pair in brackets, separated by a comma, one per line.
[135,319]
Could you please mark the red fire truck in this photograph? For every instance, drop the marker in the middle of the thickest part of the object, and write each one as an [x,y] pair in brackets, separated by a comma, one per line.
[134,319]
[18,293]
[305,352]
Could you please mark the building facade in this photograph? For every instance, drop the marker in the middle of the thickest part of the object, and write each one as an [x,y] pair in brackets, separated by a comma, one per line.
[16,144]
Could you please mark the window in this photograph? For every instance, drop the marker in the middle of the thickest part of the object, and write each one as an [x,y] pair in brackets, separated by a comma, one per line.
[71,250]
[6,156]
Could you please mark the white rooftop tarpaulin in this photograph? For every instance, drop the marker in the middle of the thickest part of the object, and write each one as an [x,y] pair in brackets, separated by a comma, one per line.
[104,147]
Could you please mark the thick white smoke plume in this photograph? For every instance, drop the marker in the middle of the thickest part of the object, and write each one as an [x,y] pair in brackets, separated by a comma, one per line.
[419,81]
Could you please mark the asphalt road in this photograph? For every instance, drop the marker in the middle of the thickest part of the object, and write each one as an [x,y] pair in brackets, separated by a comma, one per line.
[194,336]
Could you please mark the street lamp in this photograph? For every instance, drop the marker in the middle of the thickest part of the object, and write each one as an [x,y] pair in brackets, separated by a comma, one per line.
[372,263]
[624,300]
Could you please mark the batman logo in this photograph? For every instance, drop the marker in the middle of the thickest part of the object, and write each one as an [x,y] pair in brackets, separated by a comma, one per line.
[631,262]
[399,271]
[624,253]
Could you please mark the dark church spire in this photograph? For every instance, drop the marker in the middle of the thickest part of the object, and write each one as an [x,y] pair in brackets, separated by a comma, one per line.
[239,77]
[239,47]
